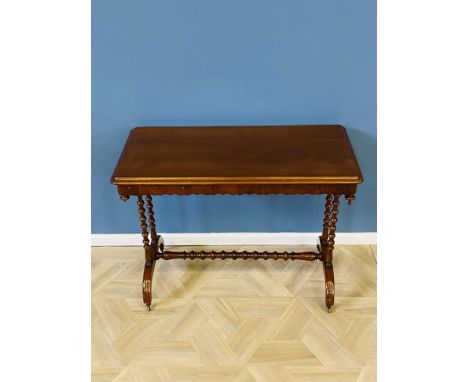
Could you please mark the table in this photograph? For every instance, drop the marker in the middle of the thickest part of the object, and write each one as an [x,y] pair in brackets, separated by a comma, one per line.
[235,160]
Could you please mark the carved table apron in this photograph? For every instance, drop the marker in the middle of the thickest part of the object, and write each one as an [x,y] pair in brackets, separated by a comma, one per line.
[236,160]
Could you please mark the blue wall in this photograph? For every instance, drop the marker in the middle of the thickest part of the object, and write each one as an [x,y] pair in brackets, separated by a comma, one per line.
[214,62]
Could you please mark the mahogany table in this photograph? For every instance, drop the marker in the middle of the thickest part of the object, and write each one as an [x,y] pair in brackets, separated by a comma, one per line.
[237,160]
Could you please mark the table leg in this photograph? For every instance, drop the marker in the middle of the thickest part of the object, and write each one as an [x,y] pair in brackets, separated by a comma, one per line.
[150,252]
[155,249]
[327,242]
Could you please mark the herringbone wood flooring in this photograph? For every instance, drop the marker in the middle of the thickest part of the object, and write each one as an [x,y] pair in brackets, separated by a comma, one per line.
[233,320]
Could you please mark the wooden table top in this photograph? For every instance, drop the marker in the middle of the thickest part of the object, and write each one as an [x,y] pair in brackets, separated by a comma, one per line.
[249,155]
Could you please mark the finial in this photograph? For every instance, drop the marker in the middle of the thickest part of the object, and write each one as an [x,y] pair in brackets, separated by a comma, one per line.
[350,198]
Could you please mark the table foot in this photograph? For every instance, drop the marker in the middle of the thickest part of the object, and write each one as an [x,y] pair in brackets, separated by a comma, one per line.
[147,284]
[329,285]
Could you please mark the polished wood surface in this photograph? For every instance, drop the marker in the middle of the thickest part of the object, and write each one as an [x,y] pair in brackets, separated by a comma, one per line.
[233,320]
[237,155]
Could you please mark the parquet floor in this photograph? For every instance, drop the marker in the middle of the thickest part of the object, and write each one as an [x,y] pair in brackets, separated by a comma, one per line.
[233,320]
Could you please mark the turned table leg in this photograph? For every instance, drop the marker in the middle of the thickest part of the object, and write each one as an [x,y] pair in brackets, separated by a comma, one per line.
[155,249]
[327,243]
[150,250]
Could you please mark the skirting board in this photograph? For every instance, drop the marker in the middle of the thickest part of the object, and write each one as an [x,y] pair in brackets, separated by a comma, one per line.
[233,238]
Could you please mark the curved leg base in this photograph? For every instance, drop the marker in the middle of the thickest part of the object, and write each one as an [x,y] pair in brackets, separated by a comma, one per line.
[148,283]
[329,285]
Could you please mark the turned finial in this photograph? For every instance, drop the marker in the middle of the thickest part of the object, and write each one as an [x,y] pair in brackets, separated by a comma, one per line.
[350,198]
[124,197]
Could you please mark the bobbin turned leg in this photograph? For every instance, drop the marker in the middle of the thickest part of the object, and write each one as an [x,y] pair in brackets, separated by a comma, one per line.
[327,242]
[150,250]
[323,239]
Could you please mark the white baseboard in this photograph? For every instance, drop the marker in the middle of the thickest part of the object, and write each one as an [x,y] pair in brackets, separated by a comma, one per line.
[233,238]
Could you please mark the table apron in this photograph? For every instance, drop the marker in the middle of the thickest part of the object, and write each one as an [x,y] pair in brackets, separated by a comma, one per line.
[238,189]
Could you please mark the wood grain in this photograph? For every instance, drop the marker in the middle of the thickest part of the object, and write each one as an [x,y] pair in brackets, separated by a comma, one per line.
[237,155]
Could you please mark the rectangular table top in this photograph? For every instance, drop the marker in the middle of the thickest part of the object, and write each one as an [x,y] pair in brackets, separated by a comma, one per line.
[306,154]
[306,159]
